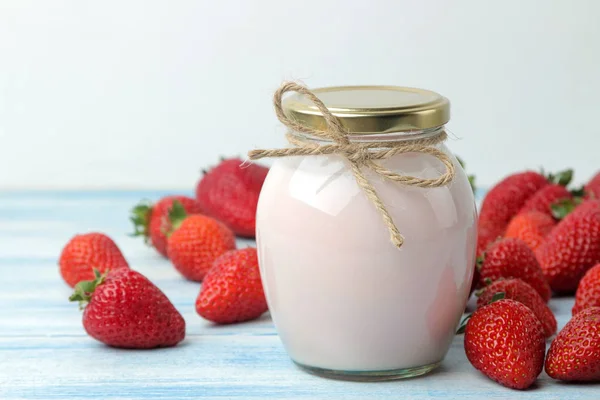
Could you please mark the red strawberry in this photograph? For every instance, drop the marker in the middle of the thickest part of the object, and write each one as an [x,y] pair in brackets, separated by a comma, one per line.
[510,195]
[574,354]
[195,244]
[588,291]
[505,341]
[543,199]
[507,198]
[516,289]
[572,247]
[531,227]
[487,234]
[511,258]
[565,207]
[126,310]
[85,252]
[588,205]
[229,192]
[592,188]
[232,290]
[152,220]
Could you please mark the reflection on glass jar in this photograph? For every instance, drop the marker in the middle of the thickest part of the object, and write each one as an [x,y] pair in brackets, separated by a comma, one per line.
[345,301]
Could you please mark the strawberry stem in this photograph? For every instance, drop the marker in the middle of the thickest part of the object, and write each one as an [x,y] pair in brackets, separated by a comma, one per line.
[497,296]
[562,178]
[564,207]
[463,324]
[479,262]
[176,216]
[84,289]
[140,217]
[470,177]
[578,193]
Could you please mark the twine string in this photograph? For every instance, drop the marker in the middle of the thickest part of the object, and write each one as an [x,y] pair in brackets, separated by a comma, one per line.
[358,154]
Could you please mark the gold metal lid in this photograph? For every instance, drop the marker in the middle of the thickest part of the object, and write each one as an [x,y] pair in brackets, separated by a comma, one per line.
[372,109]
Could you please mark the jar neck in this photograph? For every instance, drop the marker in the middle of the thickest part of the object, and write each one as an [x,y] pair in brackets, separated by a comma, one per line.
[381,137]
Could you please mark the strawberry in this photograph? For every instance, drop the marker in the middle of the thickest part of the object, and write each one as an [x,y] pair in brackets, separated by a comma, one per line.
[485,238]
[588,291]
[572,247]
[543,199]
[232,290]
[197,240]
[152,220]
[486,235]
[229,192]
[587,205]
[565,207]
[532,227]
[511,258]
[124,309]
[574,354]
[516,289]
[505,341]
[592,188]
[507,198]
[85,252]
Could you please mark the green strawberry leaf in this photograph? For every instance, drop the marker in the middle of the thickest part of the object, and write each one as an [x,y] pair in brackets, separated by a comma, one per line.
[564,207]
[463,324]
[84,289]
[578,192]
[140,217]
[497,296]
[479,262]
[470,177]
[176,216]
[562,178]
[472,183]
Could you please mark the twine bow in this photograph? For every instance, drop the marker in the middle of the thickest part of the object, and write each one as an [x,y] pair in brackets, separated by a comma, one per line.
[358,154]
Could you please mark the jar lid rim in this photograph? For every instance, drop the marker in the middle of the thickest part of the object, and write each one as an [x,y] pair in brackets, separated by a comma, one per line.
[372,109]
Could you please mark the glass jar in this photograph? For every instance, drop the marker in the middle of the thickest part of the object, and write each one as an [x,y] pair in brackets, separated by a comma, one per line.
[345,301]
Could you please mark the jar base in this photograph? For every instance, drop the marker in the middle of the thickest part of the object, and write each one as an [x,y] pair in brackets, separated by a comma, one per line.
[370,376]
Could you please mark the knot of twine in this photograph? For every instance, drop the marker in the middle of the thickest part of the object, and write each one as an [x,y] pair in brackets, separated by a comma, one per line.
[358,154]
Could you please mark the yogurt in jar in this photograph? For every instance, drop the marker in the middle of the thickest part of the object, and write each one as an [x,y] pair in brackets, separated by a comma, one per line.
[345,301]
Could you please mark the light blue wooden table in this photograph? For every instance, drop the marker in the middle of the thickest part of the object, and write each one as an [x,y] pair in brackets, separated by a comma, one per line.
[45,353]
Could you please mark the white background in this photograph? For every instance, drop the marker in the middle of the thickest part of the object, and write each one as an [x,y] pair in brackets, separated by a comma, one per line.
[132,94]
